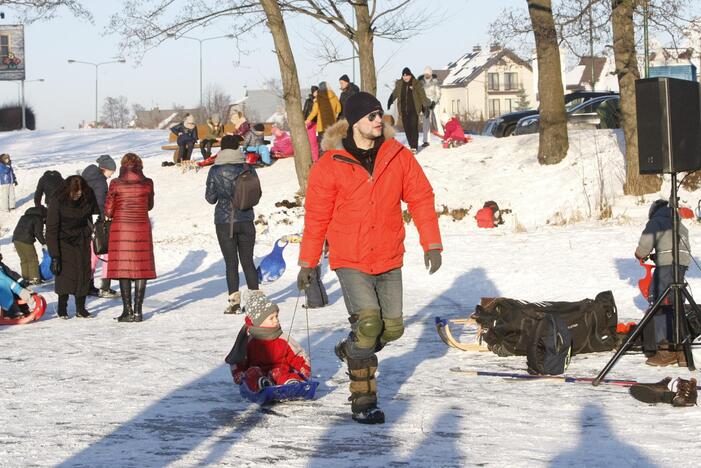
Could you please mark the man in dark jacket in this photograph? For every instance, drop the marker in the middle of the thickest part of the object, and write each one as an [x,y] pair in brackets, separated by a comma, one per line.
[96,176]
[347,90]
[412,99]
[47,185]
[30,228]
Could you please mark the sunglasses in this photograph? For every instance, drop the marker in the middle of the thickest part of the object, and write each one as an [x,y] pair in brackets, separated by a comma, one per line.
[372,115]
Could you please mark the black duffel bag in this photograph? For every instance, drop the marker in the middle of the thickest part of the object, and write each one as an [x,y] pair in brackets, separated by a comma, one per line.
[101,236]
[509,325]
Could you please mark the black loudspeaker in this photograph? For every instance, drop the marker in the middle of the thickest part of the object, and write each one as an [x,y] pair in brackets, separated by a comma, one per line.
[669,125]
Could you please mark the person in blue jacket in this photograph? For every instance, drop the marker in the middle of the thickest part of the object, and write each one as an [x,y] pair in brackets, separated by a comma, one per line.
[7,183]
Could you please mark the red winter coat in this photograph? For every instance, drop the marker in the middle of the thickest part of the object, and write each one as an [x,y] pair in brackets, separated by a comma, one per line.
[279,354]
[361,215]
[454,131]
[129,199]
[283,146]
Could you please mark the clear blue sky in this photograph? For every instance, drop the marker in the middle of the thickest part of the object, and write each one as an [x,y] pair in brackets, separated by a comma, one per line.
[170,73]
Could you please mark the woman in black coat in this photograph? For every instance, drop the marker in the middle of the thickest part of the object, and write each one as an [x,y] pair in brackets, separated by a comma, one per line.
[68,232]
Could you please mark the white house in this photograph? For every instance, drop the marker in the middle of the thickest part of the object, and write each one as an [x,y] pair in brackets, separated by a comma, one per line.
[484,84]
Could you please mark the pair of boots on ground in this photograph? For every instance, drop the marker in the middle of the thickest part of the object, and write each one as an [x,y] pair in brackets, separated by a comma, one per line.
[370,333]
[677,392]
[129,313]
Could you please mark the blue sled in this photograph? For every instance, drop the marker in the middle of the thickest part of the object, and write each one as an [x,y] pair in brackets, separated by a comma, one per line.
[292,391]
[273,265]
[45,266]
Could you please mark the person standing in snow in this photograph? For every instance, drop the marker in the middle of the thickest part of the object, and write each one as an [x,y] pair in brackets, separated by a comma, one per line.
[129,199]
[96,176]
[354,196]
[347,90]
[235,230]
[68,234]
[432,89]
[186,132]
[7,183]
[29,229]
[325,109]
[47,185]
[411,100]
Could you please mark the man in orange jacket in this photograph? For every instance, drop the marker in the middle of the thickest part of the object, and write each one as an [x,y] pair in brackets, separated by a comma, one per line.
[354,196]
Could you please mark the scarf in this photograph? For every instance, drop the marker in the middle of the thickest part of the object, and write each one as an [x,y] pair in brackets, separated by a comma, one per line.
[365,156]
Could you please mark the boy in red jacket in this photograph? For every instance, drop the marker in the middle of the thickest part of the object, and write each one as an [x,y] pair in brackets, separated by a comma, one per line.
[261,356]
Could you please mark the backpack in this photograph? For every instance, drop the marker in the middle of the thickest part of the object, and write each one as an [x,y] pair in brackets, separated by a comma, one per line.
[247,191]
[509,325]
[550,350]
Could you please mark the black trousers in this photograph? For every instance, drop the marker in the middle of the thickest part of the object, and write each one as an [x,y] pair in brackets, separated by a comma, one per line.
[411,128]
[206,148]
[185,151]
[235,249]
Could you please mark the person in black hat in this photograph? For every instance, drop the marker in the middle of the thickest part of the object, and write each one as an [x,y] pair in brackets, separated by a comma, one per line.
[354,195]
[411,101]
[347,90]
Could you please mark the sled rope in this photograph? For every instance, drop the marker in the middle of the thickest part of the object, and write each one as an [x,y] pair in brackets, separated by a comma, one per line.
[309,342]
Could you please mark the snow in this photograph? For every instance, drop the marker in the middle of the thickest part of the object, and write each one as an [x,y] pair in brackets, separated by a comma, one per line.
[98,393]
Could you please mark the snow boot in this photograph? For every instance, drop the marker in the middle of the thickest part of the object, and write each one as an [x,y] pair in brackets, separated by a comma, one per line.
[127,310]
[340,350]
[139,293]
[653,392]
[105,291]
[62,309]
[234,306]
[80,308]
[93,291]
[363,388]
[663,358]
[686,393]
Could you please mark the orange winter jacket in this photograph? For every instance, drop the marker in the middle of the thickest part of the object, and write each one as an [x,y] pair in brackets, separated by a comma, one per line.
[360,214]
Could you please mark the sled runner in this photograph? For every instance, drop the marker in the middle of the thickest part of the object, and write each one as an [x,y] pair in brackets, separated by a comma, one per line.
[644,282]
[443,329]
[273,265]
[278,393]
[34,315]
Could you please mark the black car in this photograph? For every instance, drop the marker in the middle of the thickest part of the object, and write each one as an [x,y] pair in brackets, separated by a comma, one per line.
[600,112]
[505,124]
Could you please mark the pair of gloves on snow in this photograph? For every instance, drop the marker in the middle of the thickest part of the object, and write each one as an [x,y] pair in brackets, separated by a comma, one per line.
[432,260]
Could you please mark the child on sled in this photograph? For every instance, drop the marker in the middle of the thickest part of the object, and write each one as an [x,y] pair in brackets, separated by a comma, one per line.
[13,286]
[261,356]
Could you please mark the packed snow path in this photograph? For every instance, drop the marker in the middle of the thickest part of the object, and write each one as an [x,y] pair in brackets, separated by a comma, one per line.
[98,393]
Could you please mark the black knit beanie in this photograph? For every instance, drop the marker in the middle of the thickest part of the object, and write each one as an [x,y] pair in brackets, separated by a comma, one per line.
[358,106]
[344,78]
[406,71]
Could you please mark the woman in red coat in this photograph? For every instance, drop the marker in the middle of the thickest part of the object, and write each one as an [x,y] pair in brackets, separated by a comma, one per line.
[129,199]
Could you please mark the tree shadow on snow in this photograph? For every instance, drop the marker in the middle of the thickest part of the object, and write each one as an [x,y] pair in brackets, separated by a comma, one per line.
[349,441]
[598,445]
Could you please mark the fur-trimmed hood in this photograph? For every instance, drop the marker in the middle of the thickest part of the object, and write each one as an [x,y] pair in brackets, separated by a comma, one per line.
[334,135]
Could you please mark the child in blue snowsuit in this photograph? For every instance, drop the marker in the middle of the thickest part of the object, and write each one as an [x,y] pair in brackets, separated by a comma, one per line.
[12,286]
[7,183]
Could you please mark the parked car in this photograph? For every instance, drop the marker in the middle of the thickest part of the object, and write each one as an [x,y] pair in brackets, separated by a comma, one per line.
[600,112]
[505,124]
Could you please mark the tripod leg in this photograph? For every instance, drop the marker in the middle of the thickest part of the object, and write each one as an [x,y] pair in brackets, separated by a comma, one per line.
[687,336]
[638,330]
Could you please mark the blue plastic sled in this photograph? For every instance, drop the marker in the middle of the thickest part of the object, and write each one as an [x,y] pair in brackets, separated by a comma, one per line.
[273,265]
[45,267]
[292,391]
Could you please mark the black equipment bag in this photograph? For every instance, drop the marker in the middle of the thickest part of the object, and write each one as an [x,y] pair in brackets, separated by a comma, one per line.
[316,292]
[550,351]
[101,236]
[509,324]
[247,191]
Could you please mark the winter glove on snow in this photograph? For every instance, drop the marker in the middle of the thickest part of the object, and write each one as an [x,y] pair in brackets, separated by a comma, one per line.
[433,259]
[304,278]
[56,265]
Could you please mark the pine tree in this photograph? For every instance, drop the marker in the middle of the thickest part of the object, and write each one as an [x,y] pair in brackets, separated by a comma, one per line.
[523,102]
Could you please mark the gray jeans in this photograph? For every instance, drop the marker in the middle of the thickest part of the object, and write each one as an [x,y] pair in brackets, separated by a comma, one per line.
[381,292]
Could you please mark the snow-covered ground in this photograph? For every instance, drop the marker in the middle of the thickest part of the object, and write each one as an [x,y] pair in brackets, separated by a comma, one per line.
[98,393]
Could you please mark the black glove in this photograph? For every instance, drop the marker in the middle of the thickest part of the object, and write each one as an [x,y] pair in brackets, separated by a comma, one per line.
[304,278]
[432,258]
[56,265]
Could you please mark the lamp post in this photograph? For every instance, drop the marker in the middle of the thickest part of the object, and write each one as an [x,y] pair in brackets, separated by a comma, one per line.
[20,98]
[176,37]
[96,65]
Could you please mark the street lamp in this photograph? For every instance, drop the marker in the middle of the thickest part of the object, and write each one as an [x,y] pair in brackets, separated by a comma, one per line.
[176,37]
[96,65]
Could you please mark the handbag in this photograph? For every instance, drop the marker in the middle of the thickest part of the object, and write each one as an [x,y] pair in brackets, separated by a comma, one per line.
[101,236]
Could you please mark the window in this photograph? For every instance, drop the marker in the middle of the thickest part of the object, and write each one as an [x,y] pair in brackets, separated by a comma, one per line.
[510,81]
[452,106]
[457,111]
[508,105]
[493,81]
[494,108]
[4,46]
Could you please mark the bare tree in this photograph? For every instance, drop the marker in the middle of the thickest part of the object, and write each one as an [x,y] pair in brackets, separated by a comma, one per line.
[34,10]
[216,101]
[553,143]
[115,112]
[274,85]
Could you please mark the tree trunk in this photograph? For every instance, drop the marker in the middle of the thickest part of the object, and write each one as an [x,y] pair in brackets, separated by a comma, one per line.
[553,144]
[627,72]
[292,93]
[366,49]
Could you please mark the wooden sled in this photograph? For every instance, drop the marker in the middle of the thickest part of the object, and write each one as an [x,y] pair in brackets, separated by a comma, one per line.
[446,335]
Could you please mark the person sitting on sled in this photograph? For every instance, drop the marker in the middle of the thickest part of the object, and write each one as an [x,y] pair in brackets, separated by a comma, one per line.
[12,281]
[261,356]
[282,146]
[454,135]
[657,236]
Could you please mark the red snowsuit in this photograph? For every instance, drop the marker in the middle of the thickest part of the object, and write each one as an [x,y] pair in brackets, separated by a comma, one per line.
[454,132]
[278,359]
[282,146]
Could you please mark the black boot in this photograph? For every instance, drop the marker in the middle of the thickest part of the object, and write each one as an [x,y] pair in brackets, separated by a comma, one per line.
[80,308]
[127,311]
[364,390]
[139,293]
[62,310]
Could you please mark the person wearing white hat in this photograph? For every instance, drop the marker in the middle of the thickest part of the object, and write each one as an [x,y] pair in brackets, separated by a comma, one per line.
[432,89]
